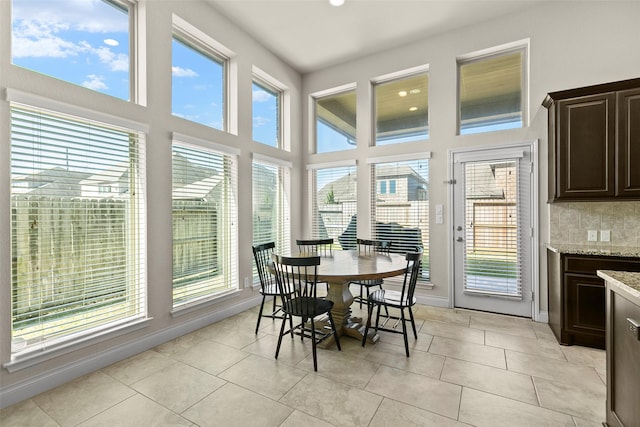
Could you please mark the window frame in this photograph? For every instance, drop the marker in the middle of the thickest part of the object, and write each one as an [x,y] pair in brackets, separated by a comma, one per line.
[492,53]
[314,118]
[53,347]
[269,84]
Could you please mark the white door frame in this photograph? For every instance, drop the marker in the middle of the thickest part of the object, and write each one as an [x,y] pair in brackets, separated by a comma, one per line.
[535,264]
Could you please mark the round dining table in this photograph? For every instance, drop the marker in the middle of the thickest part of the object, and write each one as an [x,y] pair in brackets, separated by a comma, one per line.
[340,268]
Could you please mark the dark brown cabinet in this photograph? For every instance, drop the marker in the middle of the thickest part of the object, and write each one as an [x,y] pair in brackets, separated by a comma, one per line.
[594,142]
[577,295]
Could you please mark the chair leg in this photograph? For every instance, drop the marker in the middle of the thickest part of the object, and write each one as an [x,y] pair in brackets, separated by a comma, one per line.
[335,331]
[313,345]
[284,322]
[413,323]
[361,295]
[404,331]
[368,324]
[260,314]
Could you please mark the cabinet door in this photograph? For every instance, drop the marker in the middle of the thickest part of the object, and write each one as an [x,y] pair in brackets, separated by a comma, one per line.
[586,147]
[628,147]
[585,305]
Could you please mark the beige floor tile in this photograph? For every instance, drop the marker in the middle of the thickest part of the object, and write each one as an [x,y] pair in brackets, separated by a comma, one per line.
[203,354]
[490,356]
[419,362]
[26,414]
[503,324]
[397,414]
[584,402]
[586,356]
[235,334]
[297,419]
[336,403]
[340,367]
[422,343]
[553,370]
[543,331]
[416,390]
[440,314]
[134,412]
[483,409]
[178,386]
[138,367]
[265,376]
[291,351]
[581,422]
[602,373]
[460,333]
[234,406]
[492,380]
[532,346]
[83,398]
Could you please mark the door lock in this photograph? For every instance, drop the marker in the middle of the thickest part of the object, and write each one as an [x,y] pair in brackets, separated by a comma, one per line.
[459,239]
[459,228]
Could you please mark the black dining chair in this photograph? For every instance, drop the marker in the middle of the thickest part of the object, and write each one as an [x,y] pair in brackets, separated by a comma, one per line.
[400,300]
[268,286]
[321,247]
[369,247]
[297,278]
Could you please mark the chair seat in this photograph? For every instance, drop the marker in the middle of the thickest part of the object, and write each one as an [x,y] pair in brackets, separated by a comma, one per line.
[307,306]
[368,283]
[391,298]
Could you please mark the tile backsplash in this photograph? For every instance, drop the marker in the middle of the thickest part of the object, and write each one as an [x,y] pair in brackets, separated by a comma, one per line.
[570,223]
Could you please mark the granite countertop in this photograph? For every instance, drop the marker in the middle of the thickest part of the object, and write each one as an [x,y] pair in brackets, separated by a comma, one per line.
[625,281]
[621,251]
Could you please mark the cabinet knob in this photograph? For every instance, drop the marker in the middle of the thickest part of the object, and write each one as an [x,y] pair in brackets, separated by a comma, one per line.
[634,328]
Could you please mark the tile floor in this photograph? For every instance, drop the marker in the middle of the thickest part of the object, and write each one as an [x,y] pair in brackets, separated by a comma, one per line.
[466,368]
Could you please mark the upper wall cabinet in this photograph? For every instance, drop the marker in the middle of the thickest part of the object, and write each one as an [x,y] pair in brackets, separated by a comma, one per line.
[594,142]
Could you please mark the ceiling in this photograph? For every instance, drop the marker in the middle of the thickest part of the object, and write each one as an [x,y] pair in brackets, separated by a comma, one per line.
[311,34]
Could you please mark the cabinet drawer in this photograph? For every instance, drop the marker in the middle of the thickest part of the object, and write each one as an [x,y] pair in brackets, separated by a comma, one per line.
[589,265]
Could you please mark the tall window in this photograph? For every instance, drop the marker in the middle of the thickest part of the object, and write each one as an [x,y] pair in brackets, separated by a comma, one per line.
[199,74]
[335,205]
[271,211]
[402,109]
[400,201]
[492,91]
[77,228]
[266,114]
[205,226]
[335,119]
[84,42]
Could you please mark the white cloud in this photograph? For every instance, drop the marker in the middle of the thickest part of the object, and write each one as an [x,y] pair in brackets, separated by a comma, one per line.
[115,62]
[259,121]
[261,96]
[33,40]
[183,72]
[95,82]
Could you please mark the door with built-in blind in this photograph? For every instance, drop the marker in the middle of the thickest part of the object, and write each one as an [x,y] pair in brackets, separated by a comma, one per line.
[492,236]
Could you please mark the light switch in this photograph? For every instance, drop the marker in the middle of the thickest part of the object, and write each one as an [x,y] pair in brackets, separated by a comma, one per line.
[439,214]
[605,235]
[592,235]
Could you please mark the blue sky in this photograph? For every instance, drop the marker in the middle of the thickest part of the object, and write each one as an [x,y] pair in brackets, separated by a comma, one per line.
[86,42]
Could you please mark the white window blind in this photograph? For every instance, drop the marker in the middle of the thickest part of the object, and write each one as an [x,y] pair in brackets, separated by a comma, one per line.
[77,228]
[493,234]
[335,205]
[271,211]
[204,223]
[400,206]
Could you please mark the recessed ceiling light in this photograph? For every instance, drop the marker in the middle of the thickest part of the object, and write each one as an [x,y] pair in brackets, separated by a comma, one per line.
[402,93]
[336,2]
[111,42]
[413,109]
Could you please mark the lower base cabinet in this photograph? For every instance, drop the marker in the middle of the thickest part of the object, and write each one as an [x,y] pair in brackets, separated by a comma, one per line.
[577,295]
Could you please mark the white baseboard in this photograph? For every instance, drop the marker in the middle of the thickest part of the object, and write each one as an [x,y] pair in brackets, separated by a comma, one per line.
[543,316]
[433,301]
[33,386]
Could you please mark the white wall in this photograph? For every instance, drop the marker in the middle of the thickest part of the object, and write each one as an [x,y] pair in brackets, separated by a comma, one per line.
[572,44]
[157,115]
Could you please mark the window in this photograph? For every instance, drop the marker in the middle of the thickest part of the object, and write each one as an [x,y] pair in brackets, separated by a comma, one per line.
[204,222]
[266,114]
[491,91]
[335,117]
[87,43]
[271,205]
[335,205]
[401,215]
[199,74]
[402,109]
[78,252]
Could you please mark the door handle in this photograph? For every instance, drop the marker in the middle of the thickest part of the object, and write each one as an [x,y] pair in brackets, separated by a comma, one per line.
[459,228]
[459,239]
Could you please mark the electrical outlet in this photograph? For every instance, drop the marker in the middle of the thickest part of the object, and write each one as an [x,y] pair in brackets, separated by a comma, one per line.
[592,235]
[605,235]
[246,282]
